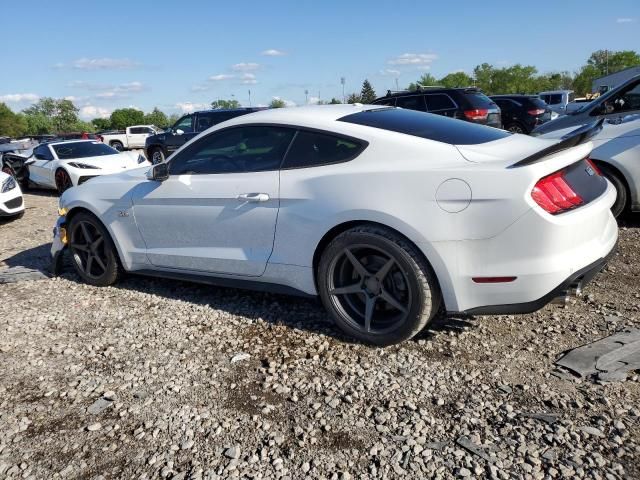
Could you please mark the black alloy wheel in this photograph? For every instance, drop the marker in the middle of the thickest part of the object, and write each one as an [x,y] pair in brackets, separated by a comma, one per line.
[377,286]
[94,255]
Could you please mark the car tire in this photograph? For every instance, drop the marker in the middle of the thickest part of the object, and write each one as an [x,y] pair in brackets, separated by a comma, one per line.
[157,155]
[94,256]
[516,128]
[377,286]
[622,198]
[117,145]
[63,181]
[8,170]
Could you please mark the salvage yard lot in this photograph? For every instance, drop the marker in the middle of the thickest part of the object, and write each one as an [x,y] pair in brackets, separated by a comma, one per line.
[163,366]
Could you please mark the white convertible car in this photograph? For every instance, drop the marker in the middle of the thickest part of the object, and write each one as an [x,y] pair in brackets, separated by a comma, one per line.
[389,215]
[65,164]
[11,202]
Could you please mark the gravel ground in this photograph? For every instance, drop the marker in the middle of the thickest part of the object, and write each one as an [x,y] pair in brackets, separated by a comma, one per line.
[156,378]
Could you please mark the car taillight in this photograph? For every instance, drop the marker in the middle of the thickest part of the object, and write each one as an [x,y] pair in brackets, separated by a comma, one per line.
[535,112]
[477,114]
[554,194]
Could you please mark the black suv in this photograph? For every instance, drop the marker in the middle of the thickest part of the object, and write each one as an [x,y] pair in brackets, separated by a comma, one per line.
[160,146]
[522,113]
[468,104]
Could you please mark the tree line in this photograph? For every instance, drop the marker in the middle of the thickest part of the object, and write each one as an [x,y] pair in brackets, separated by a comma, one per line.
[50,115]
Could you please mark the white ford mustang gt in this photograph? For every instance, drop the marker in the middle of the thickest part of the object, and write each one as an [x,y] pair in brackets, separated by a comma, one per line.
[65,164]
[11,203]
[388,214]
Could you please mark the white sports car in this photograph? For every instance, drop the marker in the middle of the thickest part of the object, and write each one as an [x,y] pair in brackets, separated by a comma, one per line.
[616,151]
[11,202]
[389,215]
[66,164]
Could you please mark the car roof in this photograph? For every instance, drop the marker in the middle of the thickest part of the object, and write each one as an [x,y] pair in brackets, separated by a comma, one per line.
[428,89]
[77,140]
[515,95]
[547,92]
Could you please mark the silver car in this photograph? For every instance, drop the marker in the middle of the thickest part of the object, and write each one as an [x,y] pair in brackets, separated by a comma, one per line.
[614,105]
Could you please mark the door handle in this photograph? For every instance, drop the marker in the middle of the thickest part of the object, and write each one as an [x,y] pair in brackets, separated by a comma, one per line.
[253,197]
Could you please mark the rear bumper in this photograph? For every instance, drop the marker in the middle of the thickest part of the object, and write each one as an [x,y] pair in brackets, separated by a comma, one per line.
[579,279]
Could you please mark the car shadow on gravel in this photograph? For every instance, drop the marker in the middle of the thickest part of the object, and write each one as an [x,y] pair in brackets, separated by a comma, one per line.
[37,258]
[629,220]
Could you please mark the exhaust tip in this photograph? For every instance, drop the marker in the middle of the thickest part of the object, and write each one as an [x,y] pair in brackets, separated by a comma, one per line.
[575,290]
[561,300]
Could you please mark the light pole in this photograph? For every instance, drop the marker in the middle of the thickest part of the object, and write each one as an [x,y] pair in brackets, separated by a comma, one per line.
[342,81]
[249,97]
[306,97]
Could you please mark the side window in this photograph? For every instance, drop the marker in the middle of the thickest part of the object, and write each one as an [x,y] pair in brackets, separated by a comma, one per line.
[439,102]
[555,99]
[185,124]
[391,102]
[628,100]
[311,149]
[414,102]
[43,153]
[137,130]
[235,150]
[204,121]
[545,98]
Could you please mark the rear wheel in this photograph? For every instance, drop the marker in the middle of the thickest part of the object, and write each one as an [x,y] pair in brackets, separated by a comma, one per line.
[63,181]
[622,198]
[516,128]
[95,258]
[377,286]
[117,145]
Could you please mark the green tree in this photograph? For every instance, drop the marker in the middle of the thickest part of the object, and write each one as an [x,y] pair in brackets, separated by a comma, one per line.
[125,117]
[277,103]
[63,114]
[367,93]
[38,124]
[11,124]
[173,118]
[456,80]
[101,123]
[607,61]
[157,118]
[334,101]
[225,104]
[354,98]
[426,79]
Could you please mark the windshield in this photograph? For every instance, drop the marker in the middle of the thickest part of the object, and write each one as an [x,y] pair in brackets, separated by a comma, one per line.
[68,151]
[607,96]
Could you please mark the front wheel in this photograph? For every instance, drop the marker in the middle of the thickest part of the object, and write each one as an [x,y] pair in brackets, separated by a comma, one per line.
[63,181]
[95,258]
[516,128]
[377,286]
[157,156]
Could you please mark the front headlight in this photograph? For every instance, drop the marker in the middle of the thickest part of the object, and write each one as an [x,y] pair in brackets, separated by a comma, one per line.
[141,159]
[8,184]
[83,166]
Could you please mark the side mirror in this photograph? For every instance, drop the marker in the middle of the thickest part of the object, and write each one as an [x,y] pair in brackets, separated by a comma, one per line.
[179,132]
[159,172]
[29,161]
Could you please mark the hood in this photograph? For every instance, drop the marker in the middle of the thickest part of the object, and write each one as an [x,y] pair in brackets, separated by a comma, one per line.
[111,163]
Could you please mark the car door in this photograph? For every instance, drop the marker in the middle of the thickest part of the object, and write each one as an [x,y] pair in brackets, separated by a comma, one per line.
[185,126]
[216,213]
[41,166]
[441,104]
[136,137]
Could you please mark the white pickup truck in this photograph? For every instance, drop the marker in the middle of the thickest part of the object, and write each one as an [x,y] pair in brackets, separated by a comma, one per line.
[132,137]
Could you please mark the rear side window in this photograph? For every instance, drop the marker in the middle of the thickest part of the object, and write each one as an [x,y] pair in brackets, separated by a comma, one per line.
[439,102]
[554,99]
[387,101]
[137,130]
[312,149]
[414,102]
[478,100]
[425,125]
[536,102]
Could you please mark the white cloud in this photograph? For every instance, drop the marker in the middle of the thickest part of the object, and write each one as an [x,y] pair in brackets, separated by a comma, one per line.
[200,88]
[104,63]
[220,77]
[414,59]
[390,71]
[272,52]
[625,20]
[188,107]
[248,79]
[88,112]
[19,97]
[245,67]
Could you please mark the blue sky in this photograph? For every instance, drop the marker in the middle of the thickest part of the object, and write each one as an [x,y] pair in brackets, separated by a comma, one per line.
[182,55]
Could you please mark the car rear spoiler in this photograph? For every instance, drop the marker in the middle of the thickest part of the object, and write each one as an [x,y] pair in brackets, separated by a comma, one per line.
[571,139]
